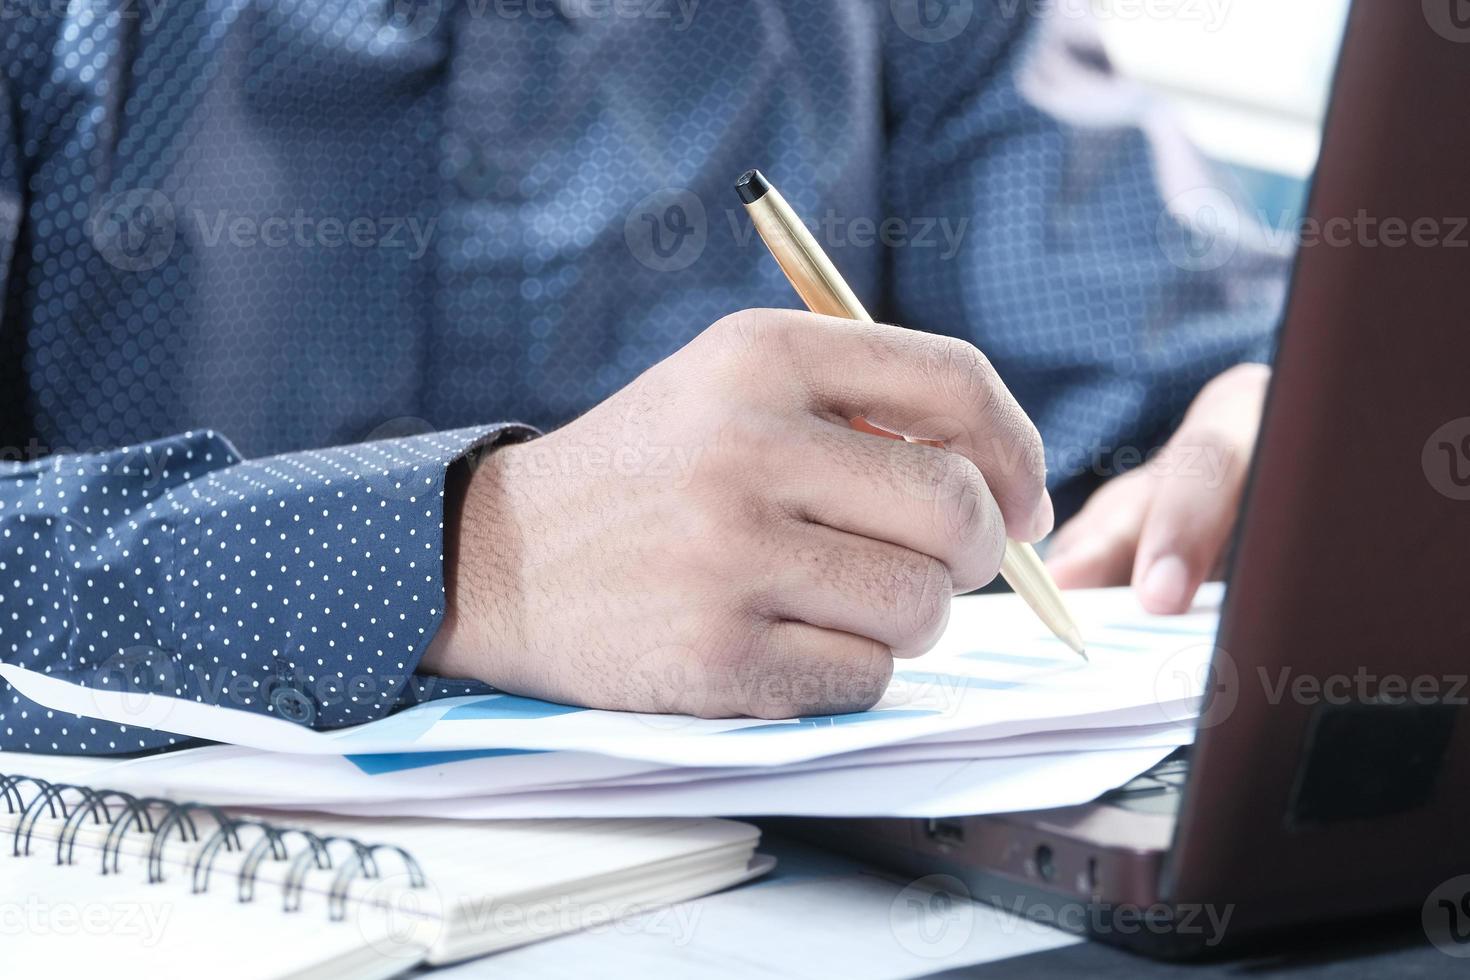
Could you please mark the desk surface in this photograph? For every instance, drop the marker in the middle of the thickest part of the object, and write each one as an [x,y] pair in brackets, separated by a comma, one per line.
[822,914]
[1399,952]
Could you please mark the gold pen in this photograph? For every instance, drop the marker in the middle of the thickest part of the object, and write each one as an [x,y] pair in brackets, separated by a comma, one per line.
[823,290]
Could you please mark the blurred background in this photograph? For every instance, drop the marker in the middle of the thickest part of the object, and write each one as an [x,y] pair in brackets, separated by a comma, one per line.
[1248,78]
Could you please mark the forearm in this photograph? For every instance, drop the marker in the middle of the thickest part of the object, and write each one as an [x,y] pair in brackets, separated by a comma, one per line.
[305,585]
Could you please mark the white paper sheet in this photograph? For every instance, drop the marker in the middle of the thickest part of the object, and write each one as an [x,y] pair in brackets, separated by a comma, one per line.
[995,673]
[233,775]
[914,789]
[1021,746]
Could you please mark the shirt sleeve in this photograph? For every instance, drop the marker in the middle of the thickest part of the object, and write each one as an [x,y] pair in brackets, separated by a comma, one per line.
[306,585]
[1059,221]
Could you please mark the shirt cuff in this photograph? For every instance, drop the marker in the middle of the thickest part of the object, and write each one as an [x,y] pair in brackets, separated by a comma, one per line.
[309,585]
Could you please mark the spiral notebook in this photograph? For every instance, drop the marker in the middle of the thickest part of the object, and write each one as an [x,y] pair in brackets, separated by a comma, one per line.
[98,880]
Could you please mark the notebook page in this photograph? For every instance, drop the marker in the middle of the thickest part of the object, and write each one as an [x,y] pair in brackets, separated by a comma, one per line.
[467,861]
[495,884]
[483,886]
[506,859]
[71,921]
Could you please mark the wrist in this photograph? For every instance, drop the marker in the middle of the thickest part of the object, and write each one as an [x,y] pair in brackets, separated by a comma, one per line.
[481,542]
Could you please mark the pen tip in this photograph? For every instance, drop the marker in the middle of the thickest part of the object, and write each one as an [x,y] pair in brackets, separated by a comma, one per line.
[752,186]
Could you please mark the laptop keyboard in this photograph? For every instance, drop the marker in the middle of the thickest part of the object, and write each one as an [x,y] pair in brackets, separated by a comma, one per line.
[1157,791]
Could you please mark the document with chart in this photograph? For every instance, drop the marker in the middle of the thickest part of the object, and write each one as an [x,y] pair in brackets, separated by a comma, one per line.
[1000,714]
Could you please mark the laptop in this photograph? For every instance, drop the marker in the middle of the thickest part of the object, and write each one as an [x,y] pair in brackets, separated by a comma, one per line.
[1330,775]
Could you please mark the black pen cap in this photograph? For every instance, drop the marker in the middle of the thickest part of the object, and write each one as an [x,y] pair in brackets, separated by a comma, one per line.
[752,186]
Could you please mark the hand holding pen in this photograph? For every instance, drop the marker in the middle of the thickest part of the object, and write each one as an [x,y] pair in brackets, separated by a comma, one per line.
[716,539]
[823,289]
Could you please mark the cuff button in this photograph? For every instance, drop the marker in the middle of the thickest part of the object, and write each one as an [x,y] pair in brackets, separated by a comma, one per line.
[292,705]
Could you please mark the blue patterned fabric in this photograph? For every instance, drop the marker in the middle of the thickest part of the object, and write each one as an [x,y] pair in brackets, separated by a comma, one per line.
[313,223]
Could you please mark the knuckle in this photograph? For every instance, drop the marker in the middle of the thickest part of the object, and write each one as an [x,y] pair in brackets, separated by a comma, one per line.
[1035,454]
[858,685]
[775,681]
[964,500]
[790,693]
[866,683]
[961,368]
[923,604]
[991,551]
[742,440]
[734,670]
[752,331]
[1025,465]
[1027,452]
[699,517]
[781,682]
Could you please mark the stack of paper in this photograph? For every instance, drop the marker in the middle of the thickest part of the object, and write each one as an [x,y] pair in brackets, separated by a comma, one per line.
[999,717]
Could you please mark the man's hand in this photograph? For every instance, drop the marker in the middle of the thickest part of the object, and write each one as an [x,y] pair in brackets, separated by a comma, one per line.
[717,540]
[1165,525]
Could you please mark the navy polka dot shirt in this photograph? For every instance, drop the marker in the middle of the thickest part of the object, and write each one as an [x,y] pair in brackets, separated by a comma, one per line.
[236,233]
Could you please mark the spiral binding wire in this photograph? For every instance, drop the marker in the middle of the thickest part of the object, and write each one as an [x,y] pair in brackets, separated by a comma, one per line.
[158,818]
